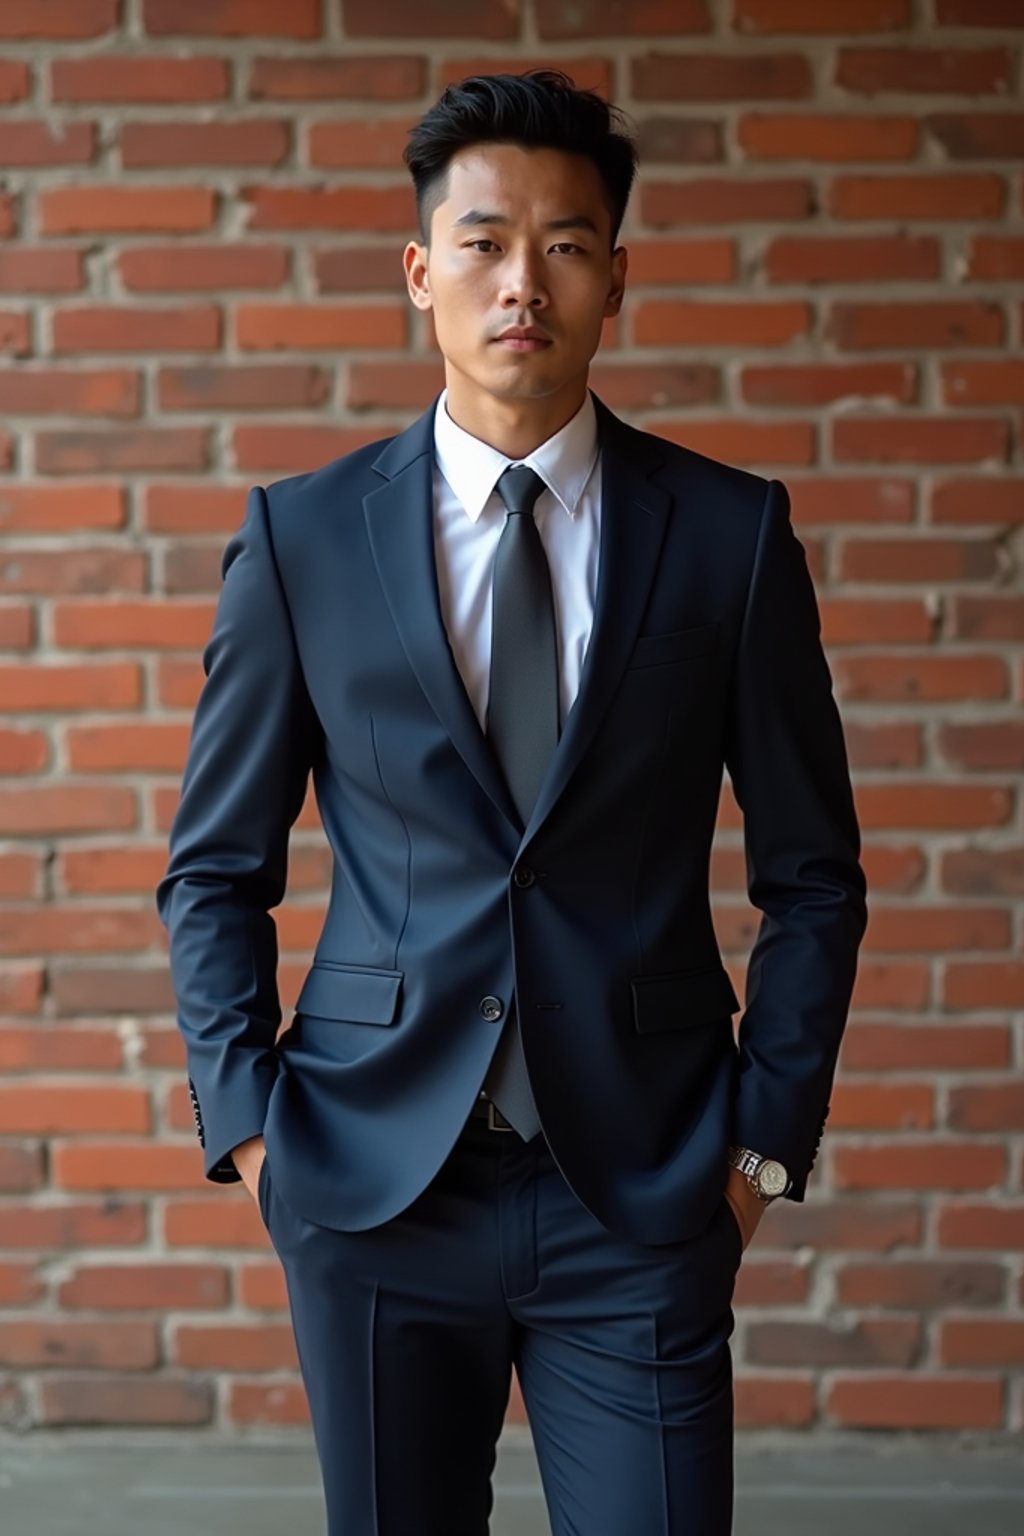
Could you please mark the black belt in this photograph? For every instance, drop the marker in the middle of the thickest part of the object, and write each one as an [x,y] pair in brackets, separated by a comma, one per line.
[484,1109]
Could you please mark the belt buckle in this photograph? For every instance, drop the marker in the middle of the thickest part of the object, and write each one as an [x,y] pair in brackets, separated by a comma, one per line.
[493,1115]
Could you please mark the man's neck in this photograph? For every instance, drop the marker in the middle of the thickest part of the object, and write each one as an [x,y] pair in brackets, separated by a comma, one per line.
[515,428]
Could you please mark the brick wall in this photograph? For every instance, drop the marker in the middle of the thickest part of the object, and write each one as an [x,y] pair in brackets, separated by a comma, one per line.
[201,214]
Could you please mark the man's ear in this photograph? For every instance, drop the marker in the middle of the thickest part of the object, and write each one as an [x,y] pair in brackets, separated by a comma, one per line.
[620,261]
[417,278]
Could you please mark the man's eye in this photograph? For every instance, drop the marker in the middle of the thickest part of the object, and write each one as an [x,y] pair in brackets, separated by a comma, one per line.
[566,245]
[491,243]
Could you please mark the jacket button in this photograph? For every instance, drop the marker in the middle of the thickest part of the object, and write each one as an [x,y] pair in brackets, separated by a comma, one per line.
[492,1007]
[524,875]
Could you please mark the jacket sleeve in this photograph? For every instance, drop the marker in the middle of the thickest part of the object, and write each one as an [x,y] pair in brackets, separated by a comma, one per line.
[253,737]
[787,761]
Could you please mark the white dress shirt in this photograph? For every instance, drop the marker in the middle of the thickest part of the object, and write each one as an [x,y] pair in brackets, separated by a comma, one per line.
[469,516]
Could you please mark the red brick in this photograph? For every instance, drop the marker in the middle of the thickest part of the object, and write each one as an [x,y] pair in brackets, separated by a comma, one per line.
[242,1347]
[361,77]
[51,928]
[921,439]
[989,744]
[866,498]
[370,209]
[997,1106]
[83,1224]
[877,620]
[772,1283]
[721,77]
[989,500]
[55,1110]
[939,196]
[57,1048]
[261,1287]
[897,867]
[995,258]
[269,327]
[66,808]
[773,1402]
[995,1342]
[60,19]
[110,871]
[148,625]
[21,991]
[920,1283]
[21,1168]
[20,1286]
[745,442]
[917,1402]
[933,71]
[123,209]
[276,1403]
[241,388]
[130,449]
[841,1226]
[145,747]
[66,686]
[882,1106]
[847,137]
[203,268]
[978,135]
[108,328]
[232,18]
[56,570]
[148,1287]
[870,1341]
[931,1164]
[934,805]
[16,340]
[23,751]
[916,679]
[978,13]
[558,21]
[123,1400]
[968,1224]
[126,1164]
[984,984]
[674,322]
[932,324]
[824,383]
[15,80]
[680,141]
[42,509]
[852,259]
[36,269]
[242,141]
[118,1346]
[983,871]
[358,268]
[456,18]
[214,1223]
[204,508]
[256,449]
[663,204]
[20,878]
[765,17]
[17,623]
[84,392]
[358,143]
[590,74]
[132,77]
[33,142]
[996,382]
[673,262]
[894,1046]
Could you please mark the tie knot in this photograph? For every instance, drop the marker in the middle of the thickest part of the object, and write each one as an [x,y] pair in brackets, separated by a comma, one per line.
[519,487]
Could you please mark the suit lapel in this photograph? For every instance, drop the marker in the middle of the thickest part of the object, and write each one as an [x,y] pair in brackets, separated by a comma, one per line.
[634,513]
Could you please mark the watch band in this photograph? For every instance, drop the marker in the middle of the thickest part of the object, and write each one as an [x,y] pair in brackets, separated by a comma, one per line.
[767,1177]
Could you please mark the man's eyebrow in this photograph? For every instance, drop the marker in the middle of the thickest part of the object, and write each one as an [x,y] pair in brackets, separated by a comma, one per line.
[475,216]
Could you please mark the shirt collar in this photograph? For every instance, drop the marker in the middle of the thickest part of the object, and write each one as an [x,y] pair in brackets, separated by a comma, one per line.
[471,467]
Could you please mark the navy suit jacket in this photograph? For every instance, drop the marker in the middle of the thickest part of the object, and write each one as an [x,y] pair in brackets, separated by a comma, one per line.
[328,655]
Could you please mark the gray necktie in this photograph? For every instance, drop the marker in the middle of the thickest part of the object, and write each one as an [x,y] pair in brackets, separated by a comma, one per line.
[522,721]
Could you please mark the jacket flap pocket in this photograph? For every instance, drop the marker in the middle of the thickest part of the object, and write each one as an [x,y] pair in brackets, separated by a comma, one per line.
[681,999]
[673,645]
[363,994]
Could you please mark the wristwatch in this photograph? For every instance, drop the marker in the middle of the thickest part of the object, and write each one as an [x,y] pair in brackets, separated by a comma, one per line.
[767,1177]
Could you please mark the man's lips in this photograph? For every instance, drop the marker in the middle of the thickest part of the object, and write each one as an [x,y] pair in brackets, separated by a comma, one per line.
[523,339]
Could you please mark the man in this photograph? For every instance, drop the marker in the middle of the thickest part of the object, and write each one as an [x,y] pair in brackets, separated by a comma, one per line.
[510,1122]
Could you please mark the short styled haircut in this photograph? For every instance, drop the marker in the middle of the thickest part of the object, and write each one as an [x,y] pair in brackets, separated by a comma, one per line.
[542,109]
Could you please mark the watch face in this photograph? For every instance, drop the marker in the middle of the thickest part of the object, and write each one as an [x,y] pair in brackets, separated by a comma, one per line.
[772,1177]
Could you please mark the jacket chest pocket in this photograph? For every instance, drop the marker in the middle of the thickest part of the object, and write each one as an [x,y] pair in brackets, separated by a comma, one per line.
[673,645]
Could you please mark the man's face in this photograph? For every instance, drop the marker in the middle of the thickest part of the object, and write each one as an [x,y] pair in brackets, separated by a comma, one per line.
[521,242]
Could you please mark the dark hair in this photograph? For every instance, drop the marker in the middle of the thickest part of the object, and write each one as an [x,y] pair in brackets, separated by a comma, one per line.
[542,109]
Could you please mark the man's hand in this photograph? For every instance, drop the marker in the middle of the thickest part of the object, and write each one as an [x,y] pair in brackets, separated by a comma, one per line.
[747,1207]
[248,1159]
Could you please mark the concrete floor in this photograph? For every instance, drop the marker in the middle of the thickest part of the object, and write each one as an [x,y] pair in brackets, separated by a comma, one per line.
[163,1486]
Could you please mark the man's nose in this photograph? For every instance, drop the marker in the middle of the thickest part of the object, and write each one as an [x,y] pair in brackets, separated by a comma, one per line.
[522,286]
